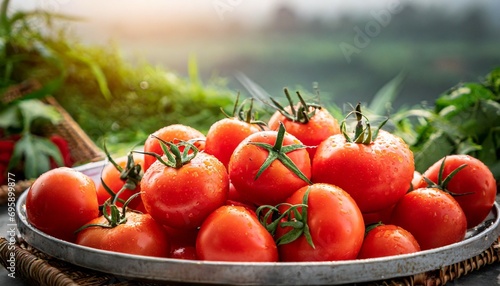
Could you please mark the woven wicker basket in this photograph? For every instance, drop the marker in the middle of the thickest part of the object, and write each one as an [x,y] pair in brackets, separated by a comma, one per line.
[41,269]
[82,148]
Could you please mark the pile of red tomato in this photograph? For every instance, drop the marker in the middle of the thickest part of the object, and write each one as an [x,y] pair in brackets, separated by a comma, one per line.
[301,187]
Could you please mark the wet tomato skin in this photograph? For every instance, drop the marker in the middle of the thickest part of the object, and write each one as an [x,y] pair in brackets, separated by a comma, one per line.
[432,216]
[388,240]
[225,135]
[140,235]
[60,201]
[171,133]
[233,233]
[376,175]
[475,179]
[183,198]
[335,223]
[277,182]
[319,127]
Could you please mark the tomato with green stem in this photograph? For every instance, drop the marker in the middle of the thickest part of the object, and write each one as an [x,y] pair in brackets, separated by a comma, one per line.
[320,222]
[233,233]
[225,135]
[374,167]
[382,240]
[182,188]
[173,133]
[268,166]
[309,122]
[432,216]
[124,231]
[124,171]
[468,180]
[60,201]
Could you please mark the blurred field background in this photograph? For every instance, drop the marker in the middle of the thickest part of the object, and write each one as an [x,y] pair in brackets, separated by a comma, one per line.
[294,43]
[279,44]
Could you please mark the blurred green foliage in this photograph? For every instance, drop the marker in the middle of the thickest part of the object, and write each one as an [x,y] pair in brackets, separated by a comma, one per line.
[464,120]
[107,95]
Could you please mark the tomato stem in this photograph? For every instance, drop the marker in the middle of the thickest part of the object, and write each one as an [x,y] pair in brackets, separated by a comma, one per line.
[442,184]
[371,226]
[246,115]
[174,157]
[292,217]
[363,133]
[278,152]
[301,112]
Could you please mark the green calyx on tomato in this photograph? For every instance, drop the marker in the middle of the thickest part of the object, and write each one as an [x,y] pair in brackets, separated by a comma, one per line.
[292,217]
[246,115]
[441,183]
[300,113]
[175,158]
[278,152]
[131,174]
[110,211]
[372,226]
[363,133]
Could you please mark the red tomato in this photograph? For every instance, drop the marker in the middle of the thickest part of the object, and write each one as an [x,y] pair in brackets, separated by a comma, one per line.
[182,243]
[111,177]
[233,233]
[383,216]
[335,224]
[60,201]
[275,183]
[474,185]
[432,216]
[139,235]
[387,240]
[183,197]
[311,133]
[234,198]
[376,175]
[225,135]
[171,133]
[415,182]
[187,252]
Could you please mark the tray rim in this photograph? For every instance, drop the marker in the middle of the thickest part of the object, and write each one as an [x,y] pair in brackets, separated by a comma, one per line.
[257,273]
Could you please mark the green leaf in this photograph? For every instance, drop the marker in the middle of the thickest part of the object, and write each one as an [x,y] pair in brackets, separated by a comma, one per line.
[437,146]
[489,153]
[461,97]
[478,120]
[46,147]
[386,95]
[10,117]
[34,109]
[35,152]
[493,82]
[96,70]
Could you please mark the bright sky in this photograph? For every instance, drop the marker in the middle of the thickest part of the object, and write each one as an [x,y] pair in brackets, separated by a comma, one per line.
[235,9]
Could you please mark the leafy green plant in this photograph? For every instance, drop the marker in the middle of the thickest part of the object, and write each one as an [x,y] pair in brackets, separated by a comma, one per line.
[33,151]
[107,95]
[464,120]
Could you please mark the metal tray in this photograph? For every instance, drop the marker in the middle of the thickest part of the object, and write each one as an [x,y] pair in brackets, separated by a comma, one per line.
[281,273]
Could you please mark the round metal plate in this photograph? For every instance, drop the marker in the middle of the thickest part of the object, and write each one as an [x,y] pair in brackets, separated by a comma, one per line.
[281,273]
